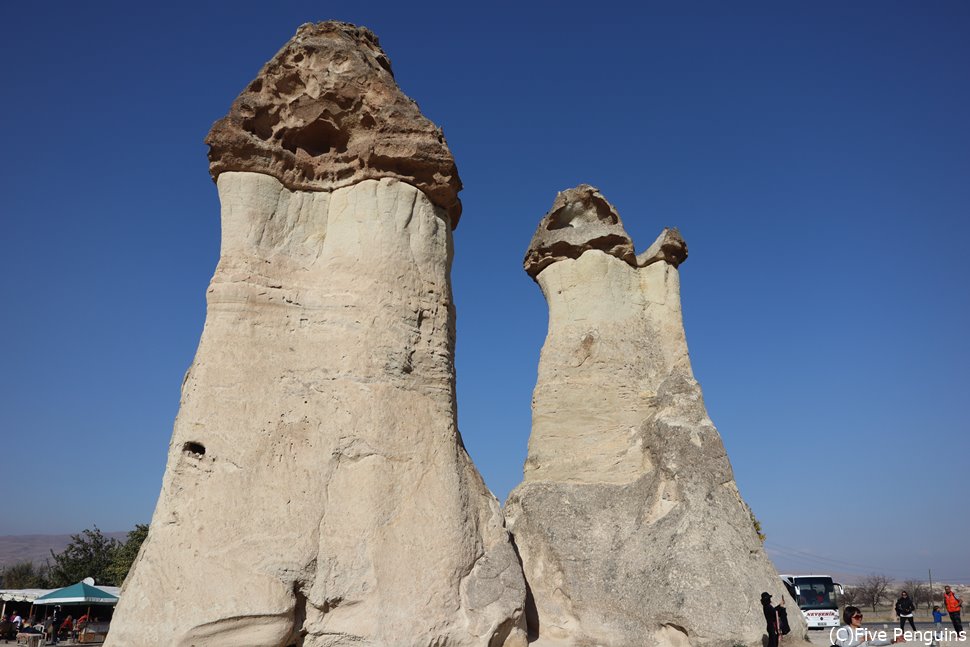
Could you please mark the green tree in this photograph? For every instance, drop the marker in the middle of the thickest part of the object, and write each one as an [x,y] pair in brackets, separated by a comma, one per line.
[24,575]
[126,553]
[90,554]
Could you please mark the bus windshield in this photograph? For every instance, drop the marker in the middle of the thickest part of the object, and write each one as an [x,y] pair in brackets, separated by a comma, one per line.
[815,593]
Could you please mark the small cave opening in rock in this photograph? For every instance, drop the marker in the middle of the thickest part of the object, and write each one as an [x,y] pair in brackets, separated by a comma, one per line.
[261,123]
[317,138]
[194,448]
[577,214]
[299,631]
[289,85]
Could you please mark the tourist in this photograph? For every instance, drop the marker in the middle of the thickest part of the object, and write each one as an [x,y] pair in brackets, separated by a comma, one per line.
[953,604]
[904,610]
[776,619]
[938,623]
[851,634]
[82,622]
[54,626]
[67,627]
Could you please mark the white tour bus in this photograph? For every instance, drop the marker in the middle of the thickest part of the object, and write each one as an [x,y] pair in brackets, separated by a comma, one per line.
[815,596]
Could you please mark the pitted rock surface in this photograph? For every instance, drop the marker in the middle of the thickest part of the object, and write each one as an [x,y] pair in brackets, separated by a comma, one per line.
[325,113]
[580,219]
[669,247]
[629,523]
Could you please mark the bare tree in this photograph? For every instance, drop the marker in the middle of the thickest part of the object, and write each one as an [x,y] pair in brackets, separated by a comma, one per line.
[872,589]
[850,596]
[919,592]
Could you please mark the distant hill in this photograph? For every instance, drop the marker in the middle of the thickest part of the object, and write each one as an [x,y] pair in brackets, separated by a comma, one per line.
[36,548]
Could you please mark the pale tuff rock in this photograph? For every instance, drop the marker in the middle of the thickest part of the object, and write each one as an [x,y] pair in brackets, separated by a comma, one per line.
[580,220]
[629,524]
[317,492]
[325,113]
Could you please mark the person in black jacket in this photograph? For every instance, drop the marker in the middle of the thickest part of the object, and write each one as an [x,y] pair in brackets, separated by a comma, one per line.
[55,625]
[776,619]
[904,609]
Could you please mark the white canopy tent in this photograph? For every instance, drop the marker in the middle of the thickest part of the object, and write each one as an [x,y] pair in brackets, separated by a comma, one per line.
[22,595]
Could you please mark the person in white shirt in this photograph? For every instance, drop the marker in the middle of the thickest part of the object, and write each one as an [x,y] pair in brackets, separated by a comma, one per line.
[852,633]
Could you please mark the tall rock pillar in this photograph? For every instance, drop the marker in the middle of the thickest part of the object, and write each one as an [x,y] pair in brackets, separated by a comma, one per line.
[629,524]
[317,492]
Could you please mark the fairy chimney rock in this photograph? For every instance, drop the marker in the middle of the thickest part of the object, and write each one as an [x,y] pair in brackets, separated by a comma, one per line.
[317,493]
[629,524]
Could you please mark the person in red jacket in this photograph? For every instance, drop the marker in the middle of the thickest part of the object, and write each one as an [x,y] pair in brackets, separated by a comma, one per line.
[953,605]
[67,627]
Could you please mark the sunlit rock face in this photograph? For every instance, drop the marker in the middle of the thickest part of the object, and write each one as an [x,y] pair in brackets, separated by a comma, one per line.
[629,524]
[317,492]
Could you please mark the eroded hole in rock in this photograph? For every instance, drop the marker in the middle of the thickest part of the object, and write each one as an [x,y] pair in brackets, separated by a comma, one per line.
[288,84]
[578,214]
[330,604]
[392,165]
[345,173]
[383,61]
[299,616]
[194,448]
[348,103]
[317,138]
[608,242]
[568,216]
[261,124]
[672,635]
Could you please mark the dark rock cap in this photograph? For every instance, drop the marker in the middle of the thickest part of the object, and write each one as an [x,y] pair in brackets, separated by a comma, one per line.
[325,113]
[581,219]
[669,247]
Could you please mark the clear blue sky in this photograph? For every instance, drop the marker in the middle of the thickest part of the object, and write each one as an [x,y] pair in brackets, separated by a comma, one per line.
[815,155]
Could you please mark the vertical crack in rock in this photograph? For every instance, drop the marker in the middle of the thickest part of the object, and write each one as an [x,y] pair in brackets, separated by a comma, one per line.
[317,493]
[629,525]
